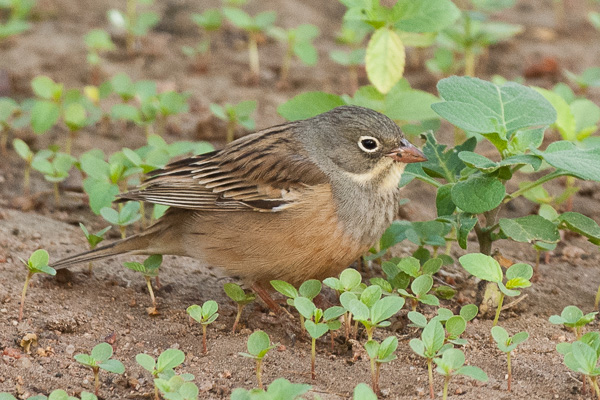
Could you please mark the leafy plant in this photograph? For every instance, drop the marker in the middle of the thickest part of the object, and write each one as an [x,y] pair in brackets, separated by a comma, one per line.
[209,22]
[350,280]
[176,388]
[234,115]
[582,356]
[205,315]
[362,391]
[126,215]
[299,44]
[93,239]
[317,323]
[26,154]
[309,289]
[149,269]
[100,358]
[17,13]
[136,25]
[572,317]
[237,294]
[588,78]
[507,344]
[454,325]
[55,167]
[258,345]
[97,42]
[253,26]
[380,353]
[452,363]
[163,367]
[37,263]
[279,389]
[373,311]
[430,346]
[487,268]
[9,109]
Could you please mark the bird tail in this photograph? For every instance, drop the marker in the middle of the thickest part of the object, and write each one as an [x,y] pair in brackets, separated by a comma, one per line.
[137,243]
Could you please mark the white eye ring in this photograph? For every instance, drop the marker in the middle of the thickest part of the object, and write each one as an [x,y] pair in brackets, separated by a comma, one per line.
[366,142]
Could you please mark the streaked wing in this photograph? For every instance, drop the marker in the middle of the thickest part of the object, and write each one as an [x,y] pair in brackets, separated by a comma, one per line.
[264,171]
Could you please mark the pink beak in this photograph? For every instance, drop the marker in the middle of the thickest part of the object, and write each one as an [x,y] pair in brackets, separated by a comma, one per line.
[407,153]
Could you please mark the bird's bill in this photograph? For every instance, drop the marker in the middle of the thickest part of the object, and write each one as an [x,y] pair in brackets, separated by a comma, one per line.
[407,153]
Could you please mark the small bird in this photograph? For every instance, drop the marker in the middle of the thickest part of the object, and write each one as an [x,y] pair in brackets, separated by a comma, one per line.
[296,201]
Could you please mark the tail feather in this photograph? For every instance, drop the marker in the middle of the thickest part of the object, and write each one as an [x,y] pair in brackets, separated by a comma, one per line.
[136,243]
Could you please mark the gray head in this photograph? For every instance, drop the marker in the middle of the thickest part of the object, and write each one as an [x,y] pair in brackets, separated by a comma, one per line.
[357,140]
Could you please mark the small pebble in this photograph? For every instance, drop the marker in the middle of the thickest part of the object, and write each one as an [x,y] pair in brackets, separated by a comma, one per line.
[70,349]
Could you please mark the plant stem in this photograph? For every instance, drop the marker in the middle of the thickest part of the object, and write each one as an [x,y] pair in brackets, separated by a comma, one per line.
[156,393]
[231,125]
[446,382]
[149,284]
[498,309]
[509,370]
[96,380]
[204,347]
[23,293]
[123,230]
[377,367]
[3,140]
[430,374]
[90,267]
[313,355]
[237,317]
[597,301]
[540,181]
[370,332]
[253,56]
[595,385]
[414,303]
[27,180]
[285,64]
[56,194]
[332,336]
[302,325]
[258,372]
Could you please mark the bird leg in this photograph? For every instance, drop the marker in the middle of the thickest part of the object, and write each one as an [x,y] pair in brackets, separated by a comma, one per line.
[266,297]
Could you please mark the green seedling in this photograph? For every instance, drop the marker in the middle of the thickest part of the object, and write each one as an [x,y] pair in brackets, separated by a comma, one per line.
[420,288]
[350,280]
[127,215]
[37,263]
[455,325]
[317,323]
[149,269]
[487,268]
[26,154]
[430,345]
[97,42]
[299,44]
[136,25]
[100,358]
[57,394]
[507,344]
[9,109]
[208,22]
[93,239]
[351,35]
[164,366]
[362,391]
[55,167]
[205,315]
[279,389]
[379,354]
[452,363]
[254,27]
[234,115]
[572,317]
[259,345]
[309,289]
[177,388]
[582,357]
[17,12]
[237,294]
[588,78]
[371,310]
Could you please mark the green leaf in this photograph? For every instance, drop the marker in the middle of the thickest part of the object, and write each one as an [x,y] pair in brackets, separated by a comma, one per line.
[426,16]
[385,59]
[581,224]
[433,337]
[529,229]
[85,359]
[478,194]
[169,359]
[75,116]
[581,163]
[500,335]
[371,295]
[359,310]
[421,285]
[386,308]
[310,288]
[473,372]
[309,104]
[418,346]
[315,330]
[456,325]
[114,366]
[519,270]
[304,306]
[102,352]
[45,87]
[469,312]
[22,150]
[146,361]
[258,342]
[38,259]
[235,292]
[483,107]
[585,355]
[482,266]
[443,200]
[285,288]
[44,115]
[418,319]
[432,266]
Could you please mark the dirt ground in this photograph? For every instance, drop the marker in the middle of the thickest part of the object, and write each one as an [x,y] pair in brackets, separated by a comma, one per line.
[72,314]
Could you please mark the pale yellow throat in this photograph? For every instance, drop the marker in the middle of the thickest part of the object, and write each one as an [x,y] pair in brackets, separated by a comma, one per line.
[391,170]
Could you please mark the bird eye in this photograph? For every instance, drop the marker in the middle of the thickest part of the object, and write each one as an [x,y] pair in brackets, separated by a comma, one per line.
[368,144]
